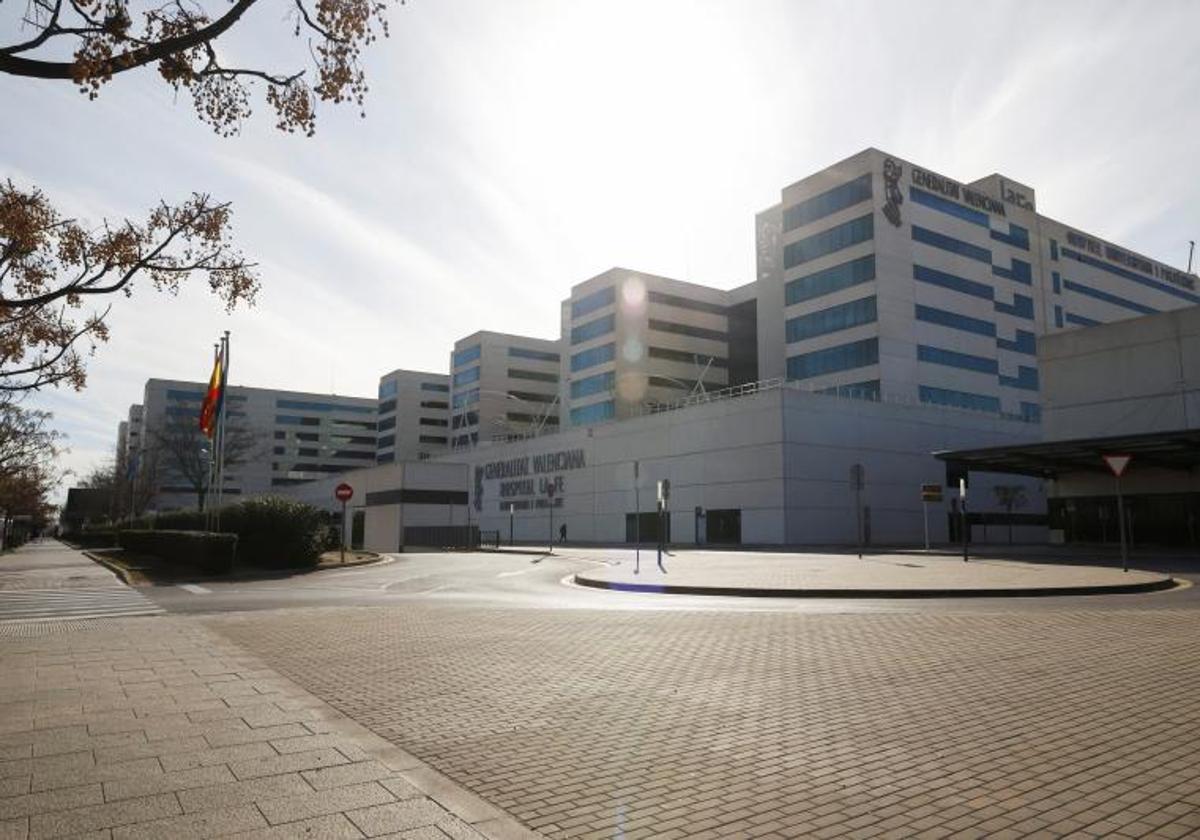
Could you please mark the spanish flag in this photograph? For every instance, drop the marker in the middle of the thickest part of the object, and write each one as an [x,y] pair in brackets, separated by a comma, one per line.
[210,409]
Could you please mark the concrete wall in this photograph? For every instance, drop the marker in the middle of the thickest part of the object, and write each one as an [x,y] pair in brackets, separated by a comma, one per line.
[1141,375]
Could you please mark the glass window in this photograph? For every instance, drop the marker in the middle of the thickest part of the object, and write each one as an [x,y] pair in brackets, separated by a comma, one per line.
[466,398]
[1057,279]
[388,388]
[686,303]
[1058,315]
[466,377]
[534,375]
[185,396]
[433,421]
[1021,307]
[1031,412]
[598,384]
[440,441]
[434,404]
[868,390]
[950,208]
[685,329]
[290,420]
[844,235]
[952,281]
[596,413]
[435,386]
[1054,249]
[386,458]
[467,418]
[592,302]
[843,357]
[529,396]
[833,319]
[1026,379]
[686,357]
[593,329]
[389,423]
[1130,275]
[467,354]
[1017,237]
[1025,342]
[952,358]
[949,243]
[828,203]
[1021,272]
[1079,320]
[840,276]
[1072,286]
[387,406]
[932,315]
[593,356]
[539,355]
[303,405]
[958,399]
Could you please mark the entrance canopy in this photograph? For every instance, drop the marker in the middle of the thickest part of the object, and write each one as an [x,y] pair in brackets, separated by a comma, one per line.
[1161,450]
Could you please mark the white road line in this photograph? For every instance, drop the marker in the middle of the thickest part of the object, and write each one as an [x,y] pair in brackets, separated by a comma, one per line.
[194,589]
[517,572]
[48,605]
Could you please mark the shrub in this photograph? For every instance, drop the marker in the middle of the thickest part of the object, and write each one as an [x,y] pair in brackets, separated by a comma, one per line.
[211,553]
[94,538]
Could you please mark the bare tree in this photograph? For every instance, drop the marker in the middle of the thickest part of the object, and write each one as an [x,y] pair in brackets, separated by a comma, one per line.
[105,38]
[1009,497]
[49,267]
[184,453]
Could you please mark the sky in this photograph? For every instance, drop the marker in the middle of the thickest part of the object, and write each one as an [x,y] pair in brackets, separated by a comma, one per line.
[513,149]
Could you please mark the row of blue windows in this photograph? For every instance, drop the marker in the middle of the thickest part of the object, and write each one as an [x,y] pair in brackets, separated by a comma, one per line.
[384,442]
[958,399]
[593,356]
[949,243]
[932,315]
[836,238]
[1108,298]
[388,388]
[467,354]
[593,329]
[833,319]
[1021,272]
[1080,321]
[1026,379]
[841,276]
[594,301]
[1130,275]
[833,359]
[828,203]
[1025,342]
[595,413]
[1017,236]
[466,377]
[185,396]
[539,355]
[1056,279]
[465,398]
[868,390]
[952,358]
[435,386]
[302,405]
[1021,307]
[1031,412]
[598,384]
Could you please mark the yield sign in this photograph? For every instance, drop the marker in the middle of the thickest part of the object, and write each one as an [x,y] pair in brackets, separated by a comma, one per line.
[1117,463]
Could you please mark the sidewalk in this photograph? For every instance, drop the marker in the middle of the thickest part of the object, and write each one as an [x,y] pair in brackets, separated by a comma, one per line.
[900,575]
[157,727]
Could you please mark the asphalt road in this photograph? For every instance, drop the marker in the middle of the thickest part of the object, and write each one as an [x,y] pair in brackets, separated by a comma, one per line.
[540,581]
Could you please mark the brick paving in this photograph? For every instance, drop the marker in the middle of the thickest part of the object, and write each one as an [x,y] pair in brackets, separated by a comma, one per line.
[587,723]
[141,728]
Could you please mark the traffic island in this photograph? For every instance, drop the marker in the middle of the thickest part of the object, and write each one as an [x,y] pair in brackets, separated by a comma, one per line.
[874,576]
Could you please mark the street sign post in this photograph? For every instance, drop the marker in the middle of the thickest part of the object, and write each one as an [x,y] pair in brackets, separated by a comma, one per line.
[929,493]
[512,507]
[858,477]
[962,506]
[550,496]
[664,496]
[343,493]
[1118,464]
[637,522]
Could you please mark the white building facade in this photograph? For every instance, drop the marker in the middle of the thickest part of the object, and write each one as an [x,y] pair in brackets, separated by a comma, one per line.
[877,275]
[502,386]
[413,415]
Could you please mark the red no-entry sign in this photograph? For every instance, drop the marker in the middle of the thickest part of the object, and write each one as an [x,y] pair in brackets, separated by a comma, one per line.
[343,492]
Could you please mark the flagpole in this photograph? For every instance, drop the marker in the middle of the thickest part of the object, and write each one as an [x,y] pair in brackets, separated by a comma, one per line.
[212,462]
[221,432]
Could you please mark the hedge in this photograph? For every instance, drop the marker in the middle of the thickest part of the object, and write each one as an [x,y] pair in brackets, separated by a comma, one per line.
[211,553]
[94,538]
[272,532]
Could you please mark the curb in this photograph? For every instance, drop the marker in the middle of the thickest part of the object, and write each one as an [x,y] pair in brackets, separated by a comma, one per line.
[753,592]
[119,571]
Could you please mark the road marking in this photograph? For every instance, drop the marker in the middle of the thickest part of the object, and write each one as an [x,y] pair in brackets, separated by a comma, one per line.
[194,589]
[517,572]
[55,604]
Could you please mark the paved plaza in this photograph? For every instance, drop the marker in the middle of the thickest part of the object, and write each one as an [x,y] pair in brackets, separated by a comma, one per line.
[471,695]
